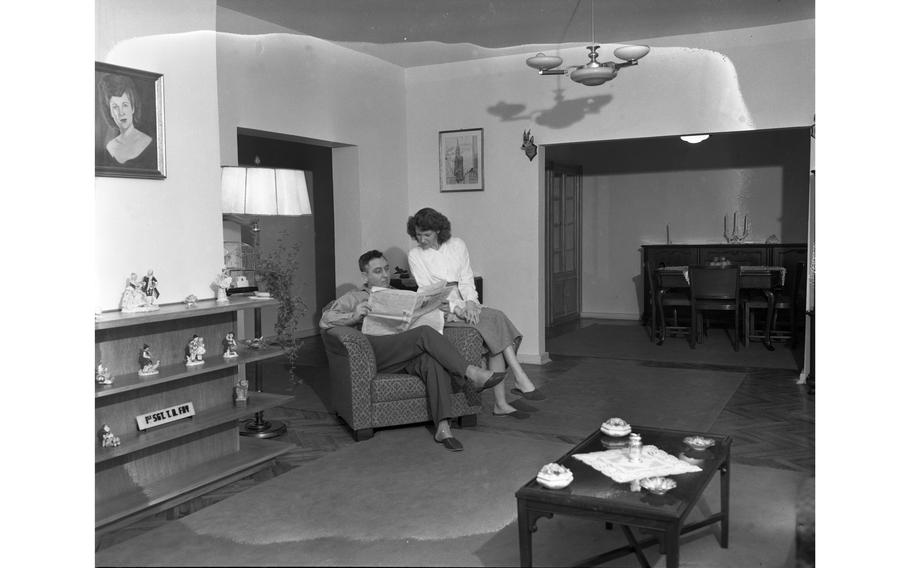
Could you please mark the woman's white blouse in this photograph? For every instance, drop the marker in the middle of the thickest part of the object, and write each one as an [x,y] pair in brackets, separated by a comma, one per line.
[449,263]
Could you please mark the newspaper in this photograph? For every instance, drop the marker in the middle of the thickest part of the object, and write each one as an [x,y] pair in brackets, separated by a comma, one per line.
[394,311]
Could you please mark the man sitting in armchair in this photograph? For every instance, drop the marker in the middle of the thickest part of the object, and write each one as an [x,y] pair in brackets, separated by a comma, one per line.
[420,351]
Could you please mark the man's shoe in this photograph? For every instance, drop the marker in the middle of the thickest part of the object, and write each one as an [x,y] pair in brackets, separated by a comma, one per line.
[517,414]
[530,395]
[451,444]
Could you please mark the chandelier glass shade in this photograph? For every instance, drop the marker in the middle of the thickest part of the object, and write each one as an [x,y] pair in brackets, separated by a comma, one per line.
[593,72]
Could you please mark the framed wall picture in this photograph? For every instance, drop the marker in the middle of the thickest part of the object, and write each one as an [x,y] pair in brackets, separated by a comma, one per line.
[461,160]
[129,122]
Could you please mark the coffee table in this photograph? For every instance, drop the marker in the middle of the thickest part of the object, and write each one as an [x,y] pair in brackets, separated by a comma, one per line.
[593,494]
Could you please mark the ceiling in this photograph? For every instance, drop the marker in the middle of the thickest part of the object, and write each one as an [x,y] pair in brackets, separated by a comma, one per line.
[426,32]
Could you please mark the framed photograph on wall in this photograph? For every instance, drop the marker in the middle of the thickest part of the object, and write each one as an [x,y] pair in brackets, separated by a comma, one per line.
[461,160]
[129,122]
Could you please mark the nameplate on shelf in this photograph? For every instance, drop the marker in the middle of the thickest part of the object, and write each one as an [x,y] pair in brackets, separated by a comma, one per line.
[165,415]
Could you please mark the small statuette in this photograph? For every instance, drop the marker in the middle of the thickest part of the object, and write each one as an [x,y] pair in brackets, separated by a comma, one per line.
[103,375]
[240,392]
[150,288]
[190,300]
[230,346]
[195,349]
[634,448]
[134,298]
[147,366]
[108,440]
[221,284]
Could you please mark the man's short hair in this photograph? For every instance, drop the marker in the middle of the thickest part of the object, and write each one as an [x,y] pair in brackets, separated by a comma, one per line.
[366,257]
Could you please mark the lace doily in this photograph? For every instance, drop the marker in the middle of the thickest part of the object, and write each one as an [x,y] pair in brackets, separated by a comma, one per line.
[615,464]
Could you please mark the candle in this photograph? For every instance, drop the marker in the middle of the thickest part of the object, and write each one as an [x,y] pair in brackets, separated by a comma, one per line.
[734,222]
[668,233]
[725,224]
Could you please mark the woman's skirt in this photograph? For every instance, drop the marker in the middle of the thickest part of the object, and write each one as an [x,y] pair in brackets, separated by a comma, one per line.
[497,330]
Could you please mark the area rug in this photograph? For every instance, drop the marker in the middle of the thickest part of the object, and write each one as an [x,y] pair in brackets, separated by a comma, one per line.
[631,342]
[589,391]
[394,501]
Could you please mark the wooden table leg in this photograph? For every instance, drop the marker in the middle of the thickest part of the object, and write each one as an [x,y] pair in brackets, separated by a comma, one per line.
[524,534]
[642,559]
[725,503]
[671,537]
[769,295]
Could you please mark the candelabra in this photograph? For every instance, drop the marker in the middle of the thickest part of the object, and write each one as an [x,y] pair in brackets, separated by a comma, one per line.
[733,237]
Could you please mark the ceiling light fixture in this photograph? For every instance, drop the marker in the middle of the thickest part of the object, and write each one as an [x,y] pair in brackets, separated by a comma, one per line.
[593,72]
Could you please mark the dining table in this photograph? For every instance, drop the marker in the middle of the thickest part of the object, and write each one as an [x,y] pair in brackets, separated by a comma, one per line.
[763,279]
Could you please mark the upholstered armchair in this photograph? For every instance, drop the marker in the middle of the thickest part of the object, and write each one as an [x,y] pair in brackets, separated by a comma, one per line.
[365,399]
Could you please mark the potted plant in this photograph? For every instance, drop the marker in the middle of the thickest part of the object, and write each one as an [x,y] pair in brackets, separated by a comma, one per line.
[275,274]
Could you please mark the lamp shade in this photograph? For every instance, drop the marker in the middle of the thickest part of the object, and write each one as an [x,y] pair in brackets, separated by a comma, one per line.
[264,191]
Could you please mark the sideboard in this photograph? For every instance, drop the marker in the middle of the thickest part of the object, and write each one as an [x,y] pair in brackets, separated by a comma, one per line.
[157,468]
[786,255]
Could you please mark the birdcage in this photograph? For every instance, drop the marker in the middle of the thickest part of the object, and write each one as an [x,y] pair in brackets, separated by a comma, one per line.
[241,261]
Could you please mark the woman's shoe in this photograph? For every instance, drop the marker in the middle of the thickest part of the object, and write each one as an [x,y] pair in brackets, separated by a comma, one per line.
[530,395]
[517,414]
[450,444]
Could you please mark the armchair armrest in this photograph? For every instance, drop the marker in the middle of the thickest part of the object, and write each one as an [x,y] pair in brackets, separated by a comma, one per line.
[352,367]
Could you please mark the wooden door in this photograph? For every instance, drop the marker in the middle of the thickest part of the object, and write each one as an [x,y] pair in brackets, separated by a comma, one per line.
[563,235]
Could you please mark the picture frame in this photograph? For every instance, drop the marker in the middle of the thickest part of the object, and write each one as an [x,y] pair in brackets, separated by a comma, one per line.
[461,162]
[129,134]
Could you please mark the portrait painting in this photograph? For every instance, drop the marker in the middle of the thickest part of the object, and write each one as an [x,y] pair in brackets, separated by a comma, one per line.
[461,160]
[129,122]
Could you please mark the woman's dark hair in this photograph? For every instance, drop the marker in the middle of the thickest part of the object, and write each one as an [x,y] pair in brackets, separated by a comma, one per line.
[366,257]
[112,85]
[428,219]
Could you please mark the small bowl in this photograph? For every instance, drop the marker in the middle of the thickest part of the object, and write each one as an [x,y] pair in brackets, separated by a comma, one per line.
[552,480]
[658,485]
[699,443]
[555,482]
[616,427]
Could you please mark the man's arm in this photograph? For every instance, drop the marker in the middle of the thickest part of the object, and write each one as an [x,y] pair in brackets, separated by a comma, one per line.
[344,311]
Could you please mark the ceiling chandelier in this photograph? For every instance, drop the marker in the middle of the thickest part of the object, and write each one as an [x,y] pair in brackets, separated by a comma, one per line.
[593,72]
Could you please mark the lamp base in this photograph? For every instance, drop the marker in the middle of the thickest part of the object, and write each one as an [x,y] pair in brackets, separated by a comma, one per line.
[259,428]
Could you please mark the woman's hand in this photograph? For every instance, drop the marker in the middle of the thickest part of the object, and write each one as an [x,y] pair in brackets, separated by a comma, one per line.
[471,312]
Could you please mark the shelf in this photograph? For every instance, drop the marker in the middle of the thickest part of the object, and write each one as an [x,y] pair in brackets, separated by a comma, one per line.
[134,441]
[126,507]
[132,381]
[169,312]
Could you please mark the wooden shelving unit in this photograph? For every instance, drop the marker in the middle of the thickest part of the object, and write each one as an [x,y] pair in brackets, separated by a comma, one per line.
[155,469]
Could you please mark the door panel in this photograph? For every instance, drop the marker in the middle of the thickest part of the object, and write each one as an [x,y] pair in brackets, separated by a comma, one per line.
[563,237]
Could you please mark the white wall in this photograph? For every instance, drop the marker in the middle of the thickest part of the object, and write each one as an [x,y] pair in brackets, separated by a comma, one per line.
[173,225]
[308,87]
[714,82]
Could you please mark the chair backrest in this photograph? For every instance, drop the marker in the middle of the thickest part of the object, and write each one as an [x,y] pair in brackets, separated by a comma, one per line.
[714,283]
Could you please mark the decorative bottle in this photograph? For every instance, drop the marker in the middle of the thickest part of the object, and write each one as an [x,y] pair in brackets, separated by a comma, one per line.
[634,448]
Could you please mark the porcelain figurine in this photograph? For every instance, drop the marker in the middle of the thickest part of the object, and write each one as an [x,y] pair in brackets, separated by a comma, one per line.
[190,300]
[255,343]
[230,345]
[103,375]
[195,349]
[108,440]
[221,284]
[147,366]
[240,392]
[150,288]
[133,298]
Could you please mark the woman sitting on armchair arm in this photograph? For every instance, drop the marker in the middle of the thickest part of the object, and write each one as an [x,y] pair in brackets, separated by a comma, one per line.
[440,258]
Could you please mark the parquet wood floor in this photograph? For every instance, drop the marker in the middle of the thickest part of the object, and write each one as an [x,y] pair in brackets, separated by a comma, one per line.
[771,419]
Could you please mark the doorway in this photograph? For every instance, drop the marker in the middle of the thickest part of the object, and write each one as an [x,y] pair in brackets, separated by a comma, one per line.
[563,238]
[315,277]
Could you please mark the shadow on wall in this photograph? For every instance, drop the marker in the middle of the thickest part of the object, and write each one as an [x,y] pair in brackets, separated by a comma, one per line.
[563,114]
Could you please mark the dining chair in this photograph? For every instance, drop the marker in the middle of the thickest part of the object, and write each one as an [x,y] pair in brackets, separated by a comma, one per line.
[786,300]
[713,289]
[666,296]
